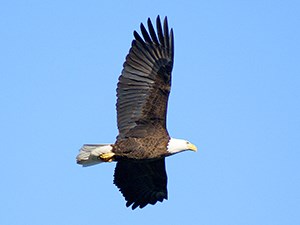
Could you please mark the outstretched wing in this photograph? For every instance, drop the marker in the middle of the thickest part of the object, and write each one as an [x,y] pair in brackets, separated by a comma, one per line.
[145,82]
[141,182]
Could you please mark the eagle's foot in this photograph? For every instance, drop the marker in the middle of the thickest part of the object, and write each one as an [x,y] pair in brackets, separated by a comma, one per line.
[107,157]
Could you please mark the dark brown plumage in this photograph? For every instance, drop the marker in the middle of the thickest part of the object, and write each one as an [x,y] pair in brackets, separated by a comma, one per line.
[143,92]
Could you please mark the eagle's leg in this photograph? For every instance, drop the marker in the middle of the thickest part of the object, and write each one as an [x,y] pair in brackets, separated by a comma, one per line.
[107,157]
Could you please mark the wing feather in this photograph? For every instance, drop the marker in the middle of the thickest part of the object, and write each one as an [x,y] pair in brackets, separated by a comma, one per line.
[166,34]
[152,32]
[159,31]
[141,182]
[145,34]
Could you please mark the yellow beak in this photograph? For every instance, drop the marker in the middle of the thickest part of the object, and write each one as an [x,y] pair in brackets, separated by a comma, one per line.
[192,147]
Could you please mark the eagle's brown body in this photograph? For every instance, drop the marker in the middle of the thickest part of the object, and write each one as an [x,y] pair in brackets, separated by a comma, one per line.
[141,148]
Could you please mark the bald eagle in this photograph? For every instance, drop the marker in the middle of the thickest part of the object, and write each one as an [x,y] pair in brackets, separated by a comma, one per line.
[143,141]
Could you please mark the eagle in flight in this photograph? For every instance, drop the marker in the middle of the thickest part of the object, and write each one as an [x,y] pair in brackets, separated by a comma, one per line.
[143,141]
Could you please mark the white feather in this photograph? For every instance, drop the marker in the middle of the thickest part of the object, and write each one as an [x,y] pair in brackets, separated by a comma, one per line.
[89,154]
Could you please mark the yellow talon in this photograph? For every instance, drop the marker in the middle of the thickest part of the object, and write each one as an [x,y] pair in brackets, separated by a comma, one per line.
[107,157]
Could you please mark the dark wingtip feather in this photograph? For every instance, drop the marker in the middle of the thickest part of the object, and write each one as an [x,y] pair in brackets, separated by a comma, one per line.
[152,32]
[134,206]
[166,33]
[145,34]
[138,37]
[171,49]
[159,31]
[161,37]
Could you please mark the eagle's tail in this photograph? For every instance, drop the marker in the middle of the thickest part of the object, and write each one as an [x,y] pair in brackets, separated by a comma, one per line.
[93,154]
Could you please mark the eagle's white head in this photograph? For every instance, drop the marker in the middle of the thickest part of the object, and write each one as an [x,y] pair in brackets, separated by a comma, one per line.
[178,145]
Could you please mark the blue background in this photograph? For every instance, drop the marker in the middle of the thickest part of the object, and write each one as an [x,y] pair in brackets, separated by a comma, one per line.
[235,95]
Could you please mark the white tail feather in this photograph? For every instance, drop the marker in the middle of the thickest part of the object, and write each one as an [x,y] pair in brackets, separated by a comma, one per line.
[89,154]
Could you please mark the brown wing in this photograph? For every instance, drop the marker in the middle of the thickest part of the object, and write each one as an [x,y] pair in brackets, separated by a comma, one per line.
[145,82]
[141,182]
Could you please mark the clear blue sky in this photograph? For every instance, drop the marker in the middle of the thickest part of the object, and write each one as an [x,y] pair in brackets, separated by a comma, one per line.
[235,94]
